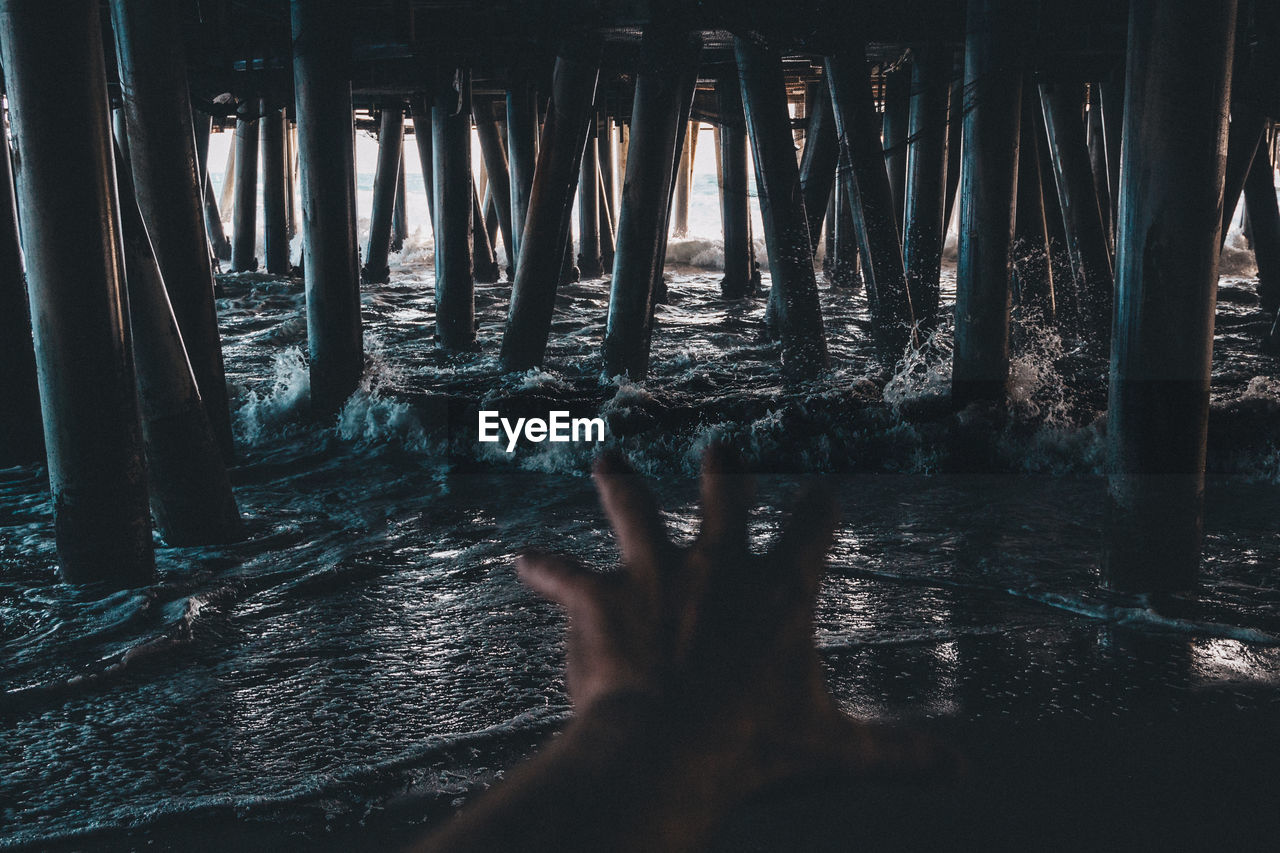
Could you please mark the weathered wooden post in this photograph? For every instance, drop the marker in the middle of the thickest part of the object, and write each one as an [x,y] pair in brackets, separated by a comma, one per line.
[589,262]
[326,157]
[484,258]
[420,110]
[955,133]
[606,228]
[680,203]
[20,431]
[522,141]
[546,228]
[54,67]
[275,197]
[798,313]
[867,183]
[897,117]
[385,180]
[1032,273]
[1111,97]
[735,215]
[495,166]
[926,177]
[993,100]
[818,160]
[1096,138]
[604,144]
[656,112]
[844,262]
[1171,188]
[688,85]
[455,204]
[191,495]
[220,245]
[399,219]
[1260,203]
[291,174]
[1081,215]
[153,74]
[244,219]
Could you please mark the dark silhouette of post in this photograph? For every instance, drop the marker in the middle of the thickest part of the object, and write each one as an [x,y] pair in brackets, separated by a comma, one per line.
[495,166]
[589,262]
[926,177]
[1171,188]
[818,160]
[455,204]
[191,495]
[522,140]
[546,228]
[275,195]
[326,157]
[735,213]
[385,181]
[866,180]
[162,150]
[220,245]
[992,107]
[399,218]
[54,67]
[656,112]
[897,117]
[484,258]
[21,435]
[244,218]
[420,110]
[786,226]
[1032,273]
[1081,214]
[1260,202]
[955,133]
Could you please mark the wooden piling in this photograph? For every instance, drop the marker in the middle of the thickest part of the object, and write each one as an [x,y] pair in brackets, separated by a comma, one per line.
[1111,100]
[897,117]
[926,177]
[866,180]
[21,440]
[54,67]
[735,213]
[220,246]
[1171,189]
[604,146]
[420,110]
[818,160]
[546,226]
[844,263]
[1097,146]
[385,180]
[1081,214]
[1032,272]
[522,141]
[275,197]
[798,313]
[326,157]
[1260,203]
[191,496]
[606,227]
[589,262]
[992,107]
[153,74]
[244,218]
[484,258]
[955,142]
[495,166]
[399,218]
[455,203]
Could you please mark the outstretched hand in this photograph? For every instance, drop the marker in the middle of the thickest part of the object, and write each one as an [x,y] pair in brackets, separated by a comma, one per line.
[720,638]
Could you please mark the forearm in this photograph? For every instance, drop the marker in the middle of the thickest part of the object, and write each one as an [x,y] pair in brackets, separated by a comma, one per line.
[614,780]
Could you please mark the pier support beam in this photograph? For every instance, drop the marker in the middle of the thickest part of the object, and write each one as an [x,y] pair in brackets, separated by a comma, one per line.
[399,217]
[484,258]
[385,180]
[218,242]
[867,183]
[326,157]
[606,228]
[992,107]
[153,75]
[926,178]
[275,195]
[244,226]
[191,495]
[21,439]
[1260,204]
[955,134]
[798,313]
[546,228]
[420,110]
[54,67]
[589,263]
[735,214]
[455,205]
[522,146]
[1081,215]
[844,261]
[646,195]
[1031,268]
[818,160]
[495,166]
[1171,188]
[897,117]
